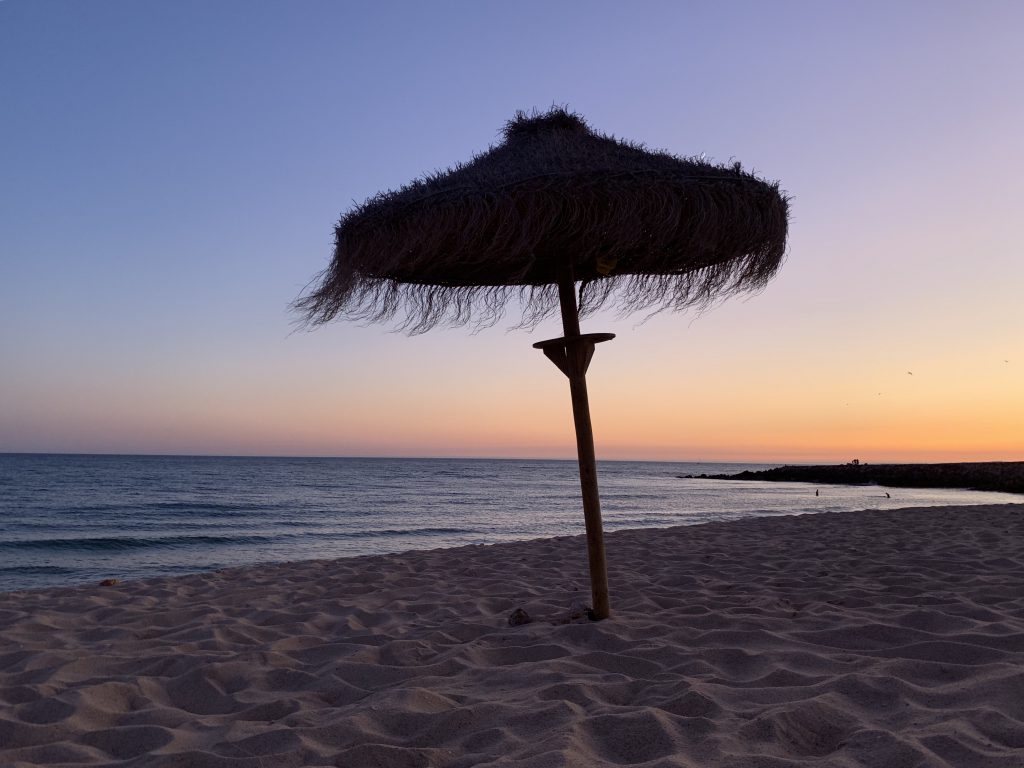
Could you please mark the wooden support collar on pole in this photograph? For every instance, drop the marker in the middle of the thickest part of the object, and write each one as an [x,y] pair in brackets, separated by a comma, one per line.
[555,349]
[572,354]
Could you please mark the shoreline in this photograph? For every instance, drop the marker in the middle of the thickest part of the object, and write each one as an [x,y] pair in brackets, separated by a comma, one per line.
[119,576]
[874,638]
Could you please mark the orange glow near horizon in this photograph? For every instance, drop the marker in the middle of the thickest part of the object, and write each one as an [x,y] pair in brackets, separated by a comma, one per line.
[644,408]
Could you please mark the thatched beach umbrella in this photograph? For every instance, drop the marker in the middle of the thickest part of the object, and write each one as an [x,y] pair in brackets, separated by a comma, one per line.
[553,205]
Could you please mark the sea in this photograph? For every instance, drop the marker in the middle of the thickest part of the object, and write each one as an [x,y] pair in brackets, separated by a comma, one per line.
[71,519]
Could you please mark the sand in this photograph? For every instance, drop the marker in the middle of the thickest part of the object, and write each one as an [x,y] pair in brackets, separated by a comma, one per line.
[883,639]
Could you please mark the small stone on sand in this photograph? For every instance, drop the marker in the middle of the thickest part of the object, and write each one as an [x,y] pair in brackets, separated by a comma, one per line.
[518,617]
[579,610]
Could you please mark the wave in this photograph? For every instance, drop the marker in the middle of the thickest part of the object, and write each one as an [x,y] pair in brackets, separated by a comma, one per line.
[211,508]
[123,543]
[54,570]
[401,532]
[651,521]
[120,543]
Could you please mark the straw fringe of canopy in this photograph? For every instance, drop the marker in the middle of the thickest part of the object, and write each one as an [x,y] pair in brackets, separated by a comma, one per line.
[641,230]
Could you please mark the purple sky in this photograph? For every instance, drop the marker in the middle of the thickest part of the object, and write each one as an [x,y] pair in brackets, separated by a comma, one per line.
[170,174]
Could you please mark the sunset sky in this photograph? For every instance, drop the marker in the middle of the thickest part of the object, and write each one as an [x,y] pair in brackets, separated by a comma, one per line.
[170,174]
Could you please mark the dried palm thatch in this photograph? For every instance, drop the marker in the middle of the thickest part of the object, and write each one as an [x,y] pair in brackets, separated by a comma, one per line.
[552,205]
[639,229]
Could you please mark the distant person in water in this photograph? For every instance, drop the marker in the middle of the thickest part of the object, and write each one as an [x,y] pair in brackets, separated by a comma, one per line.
[887,495]
[815,491]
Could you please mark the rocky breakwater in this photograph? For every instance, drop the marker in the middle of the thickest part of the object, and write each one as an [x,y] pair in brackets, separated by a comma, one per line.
[1007,476]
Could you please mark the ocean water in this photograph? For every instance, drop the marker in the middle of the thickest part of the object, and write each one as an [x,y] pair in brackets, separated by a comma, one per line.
[67,519]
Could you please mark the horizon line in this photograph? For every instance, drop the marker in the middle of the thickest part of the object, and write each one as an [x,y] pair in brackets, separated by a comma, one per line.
[355,456]
[116,454]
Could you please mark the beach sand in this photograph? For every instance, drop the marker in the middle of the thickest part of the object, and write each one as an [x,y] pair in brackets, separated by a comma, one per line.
[883,639]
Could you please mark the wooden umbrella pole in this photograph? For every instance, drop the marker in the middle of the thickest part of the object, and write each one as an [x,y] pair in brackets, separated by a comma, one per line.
[578,355]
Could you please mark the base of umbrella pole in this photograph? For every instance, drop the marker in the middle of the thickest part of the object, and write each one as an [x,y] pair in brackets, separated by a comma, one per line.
[572,354]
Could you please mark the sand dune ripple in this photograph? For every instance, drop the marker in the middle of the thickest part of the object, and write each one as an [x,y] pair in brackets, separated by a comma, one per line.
[852,639]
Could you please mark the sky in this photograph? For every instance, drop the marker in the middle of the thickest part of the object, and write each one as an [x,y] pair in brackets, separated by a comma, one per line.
[171,172]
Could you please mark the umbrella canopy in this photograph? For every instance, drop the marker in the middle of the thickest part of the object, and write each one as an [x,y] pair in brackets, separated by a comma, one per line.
[552,205]
[640,229]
